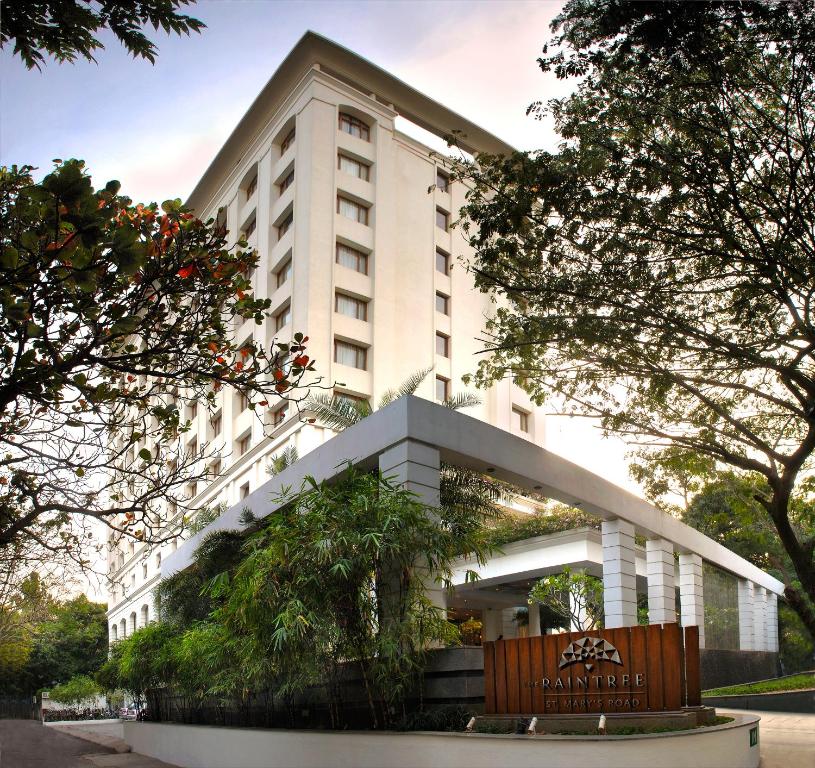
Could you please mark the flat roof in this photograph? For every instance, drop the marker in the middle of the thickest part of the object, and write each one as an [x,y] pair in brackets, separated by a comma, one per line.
[334,59]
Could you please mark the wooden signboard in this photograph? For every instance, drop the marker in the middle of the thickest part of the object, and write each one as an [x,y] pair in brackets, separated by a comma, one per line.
[630,669]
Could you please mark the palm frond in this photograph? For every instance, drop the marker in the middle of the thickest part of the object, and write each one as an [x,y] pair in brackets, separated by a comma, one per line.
[461,400]
[282,460]
[336,412]
[407,387]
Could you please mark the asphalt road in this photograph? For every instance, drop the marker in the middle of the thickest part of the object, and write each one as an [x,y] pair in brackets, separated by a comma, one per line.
[29,744]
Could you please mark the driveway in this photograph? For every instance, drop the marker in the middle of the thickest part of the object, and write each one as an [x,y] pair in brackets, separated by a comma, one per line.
[29,744]
[786,739]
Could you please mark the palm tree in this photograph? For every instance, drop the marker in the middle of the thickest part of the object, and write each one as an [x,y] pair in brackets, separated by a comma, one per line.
[339,413]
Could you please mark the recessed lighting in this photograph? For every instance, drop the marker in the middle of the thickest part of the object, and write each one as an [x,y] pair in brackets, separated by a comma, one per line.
[490,469]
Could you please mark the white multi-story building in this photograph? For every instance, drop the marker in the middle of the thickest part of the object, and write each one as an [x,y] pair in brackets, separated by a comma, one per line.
[354,251]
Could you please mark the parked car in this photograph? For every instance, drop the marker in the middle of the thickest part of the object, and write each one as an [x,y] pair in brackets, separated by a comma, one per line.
[129,713]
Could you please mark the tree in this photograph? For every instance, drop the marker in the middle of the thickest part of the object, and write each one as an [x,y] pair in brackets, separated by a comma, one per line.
[657,271]
[77,690]
[66,29]
[115,324]
[575,595]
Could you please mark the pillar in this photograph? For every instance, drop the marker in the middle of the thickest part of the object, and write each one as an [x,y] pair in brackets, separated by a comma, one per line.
[619,574]
[534,619]
[661,574]
[772,622]
[759,618]
[492,623]
[746,611]
[691,596]
[415,466]
[509,627]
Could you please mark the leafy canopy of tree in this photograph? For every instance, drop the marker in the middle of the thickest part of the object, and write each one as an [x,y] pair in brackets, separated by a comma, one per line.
[658,271]
[77,690]
[115,322]
[575,595]
[49,640]
[67,29]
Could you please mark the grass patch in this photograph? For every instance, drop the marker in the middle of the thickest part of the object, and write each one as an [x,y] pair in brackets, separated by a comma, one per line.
[792,683]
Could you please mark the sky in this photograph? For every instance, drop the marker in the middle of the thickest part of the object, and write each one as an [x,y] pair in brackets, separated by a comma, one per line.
[156,128]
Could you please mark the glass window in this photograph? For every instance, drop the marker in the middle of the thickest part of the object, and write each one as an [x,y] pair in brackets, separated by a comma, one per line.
[244,443]
[244,491]
[158,559]
[282,318]
[216,424]
[442,304]
[352,210]
[442,345]
[250,228]
[442,261]
[287,182]
[442,219]
[520,419]
[284,273]
[279,415]
[442,388]
[352,258]
[144,570]
[287,142]
[351,307]
[252,186]
[720,592]
[351,355]
[243,401]
[353,167]
[354,126]
[442,181]
[285,225]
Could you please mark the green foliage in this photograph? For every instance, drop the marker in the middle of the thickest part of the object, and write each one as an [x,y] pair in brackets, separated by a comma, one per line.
[281,460]
[656,272]
[514,527]
[792,683]
[447,718]
[147,659]
[77,690]
[113,319]
[204,517]
[67,29]
[575,595]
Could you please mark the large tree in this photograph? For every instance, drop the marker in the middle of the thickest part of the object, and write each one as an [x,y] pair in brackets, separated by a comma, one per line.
[67,29]
[658,271]
[116,323]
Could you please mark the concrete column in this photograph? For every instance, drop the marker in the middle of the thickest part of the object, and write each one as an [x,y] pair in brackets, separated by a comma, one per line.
[772,622]
[661,571]
[619,574]
[746,610]
[691,596]
[492,621]
[509,627]
[759,618]
[534,619]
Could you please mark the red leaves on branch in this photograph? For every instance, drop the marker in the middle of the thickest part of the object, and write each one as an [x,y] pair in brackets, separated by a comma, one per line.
[185,272]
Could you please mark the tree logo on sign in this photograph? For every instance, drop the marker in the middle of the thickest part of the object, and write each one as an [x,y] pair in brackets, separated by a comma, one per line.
[588,650]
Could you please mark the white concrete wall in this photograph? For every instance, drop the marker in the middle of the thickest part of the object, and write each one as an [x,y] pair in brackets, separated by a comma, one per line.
[191,746]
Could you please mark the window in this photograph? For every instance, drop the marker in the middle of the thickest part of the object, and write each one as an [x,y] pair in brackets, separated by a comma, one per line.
[287,142]
[250,228]
[353,167]
[354,126]
[282,318]
[520,420]
[144,570]
[442,304]
[285,225]
[352,258]
[194,446]
[287,182]
[252,186]
[442,345]
[244,492]
[217,424]
[352,210]
[244,443]
[279,416]
[158,559]
[442,181]
[192,490]
[243,401]
[193,411]
[351,307]
[442,261]
[442,219]
[215,468]
[132,579]
[442,388]
[349,354]
[284,273]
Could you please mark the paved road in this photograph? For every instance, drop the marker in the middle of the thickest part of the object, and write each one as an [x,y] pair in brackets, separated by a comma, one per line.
[29,744]
[786,739]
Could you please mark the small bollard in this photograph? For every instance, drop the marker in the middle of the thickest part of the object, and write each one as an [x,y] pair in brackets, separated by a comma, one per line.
[470,725]
[533,727]
[601,726]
